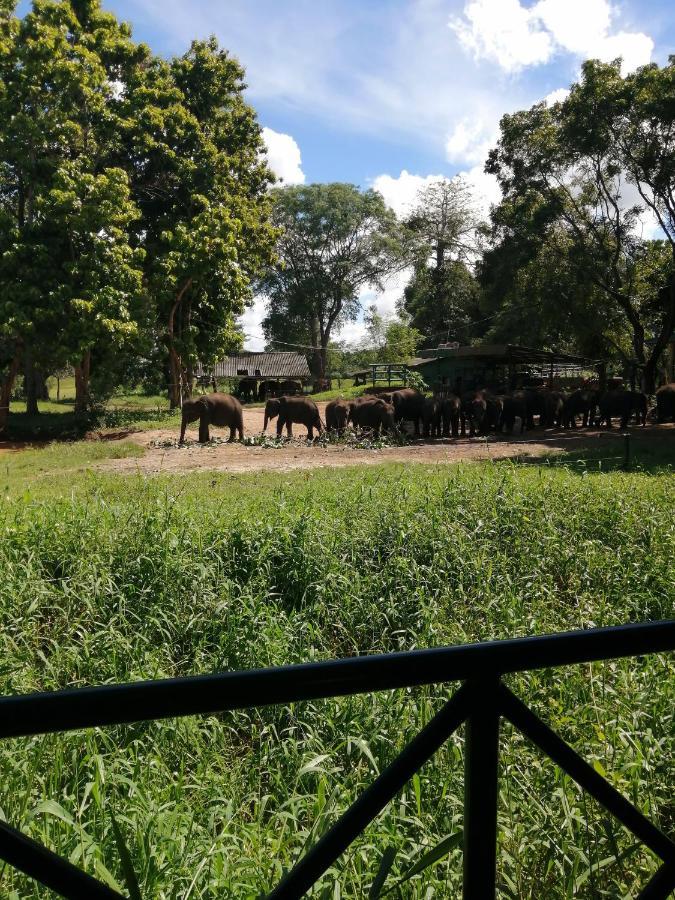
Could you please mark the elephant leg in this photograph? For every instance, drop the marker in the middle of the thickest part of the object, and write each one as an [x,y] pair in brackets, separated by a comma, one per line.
[204,436]
[280,425]
[310,433]
[232,433]
[289,429]
[182,431]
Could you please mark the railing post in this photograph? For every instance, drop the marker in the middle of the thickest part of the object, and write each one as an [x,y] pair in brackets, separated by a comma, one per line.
[481,791]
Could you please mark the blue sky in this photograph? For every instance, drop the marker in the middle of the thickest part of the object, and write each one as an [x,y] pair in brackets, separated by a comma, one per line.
[387,94]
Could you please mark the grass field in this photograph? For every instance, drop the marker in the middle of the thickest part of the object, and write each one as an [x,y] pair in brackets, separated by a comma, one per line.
[107,578]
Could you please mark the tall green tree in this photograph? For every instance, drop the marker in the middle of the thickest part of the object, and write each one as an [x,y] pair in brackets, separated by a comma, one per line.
[444,234]
[334,241]
[195,157]
[597,163]
[57,127]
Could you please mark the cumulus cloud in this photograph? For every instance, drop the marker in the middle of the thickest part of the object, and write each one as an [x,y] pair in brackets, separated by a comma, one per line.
[556,96]
[400,192]
[251,325]
[283,156]
[469,142]
[515,36]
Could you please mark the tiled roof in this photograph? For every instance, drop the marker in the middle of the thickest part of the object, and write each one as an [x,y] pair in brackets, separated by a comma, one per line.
[261,365]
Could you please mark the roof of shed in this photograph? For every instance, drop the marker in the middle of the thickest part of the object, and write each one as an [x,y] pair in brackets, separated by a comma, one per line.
[503,353]
[262,365]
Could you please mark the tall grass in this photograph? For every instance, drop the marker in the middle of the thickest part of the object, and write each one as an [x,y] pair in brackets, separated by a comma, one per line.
[129,579]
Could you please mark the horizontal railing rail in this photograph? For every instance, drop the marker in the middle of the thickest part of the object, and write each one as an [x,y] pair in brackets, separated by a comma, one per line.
[481,702]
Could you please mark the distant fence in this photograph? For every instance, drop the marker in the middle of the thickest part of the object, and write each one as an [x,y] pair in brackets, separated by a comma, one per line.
[481,702]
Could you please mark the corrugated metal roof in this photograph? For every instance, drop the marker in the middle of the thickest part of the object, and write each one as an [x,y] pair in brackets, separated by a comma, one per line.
[505,353]
[261,365]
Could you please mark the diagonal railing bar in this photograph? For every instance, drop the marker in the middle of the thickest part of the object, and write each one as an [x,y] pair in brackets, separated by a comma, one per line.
[584,774]
[51,870]
[373,800]
[661,885]
[117,704]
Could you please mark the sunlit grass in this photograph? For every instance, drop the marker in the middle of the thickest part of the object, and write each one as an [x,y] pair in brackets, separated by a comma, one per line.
[120,578]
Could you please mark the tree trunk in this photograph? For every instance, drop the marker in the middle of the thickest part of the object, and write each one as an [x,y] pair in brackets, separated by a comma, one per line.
[31,383]
[6,387]
[82,371]
[318,361]
[176,386]
[665,336]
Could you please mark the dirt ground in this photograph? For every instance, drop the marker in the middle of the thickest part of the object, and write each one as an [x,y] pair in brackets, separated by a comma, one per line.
[162,454]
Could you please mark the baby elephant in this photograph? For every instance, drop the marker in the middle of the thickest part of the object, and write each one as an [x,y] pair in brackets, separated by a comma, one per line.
[337,415]
[222,410]
[290,410]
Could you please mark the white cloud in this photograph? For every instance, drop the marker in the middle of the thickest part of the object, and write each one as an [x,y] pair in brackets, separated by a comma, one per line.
[557,96]
[485,188]
[504,32]
[400,192]
[515,36]
[469,142]
[283,156]
[251,323]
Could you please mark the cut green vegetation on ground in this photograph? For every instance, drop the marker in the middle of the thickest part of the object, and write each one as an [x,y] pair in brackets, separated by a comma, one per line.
[125,578]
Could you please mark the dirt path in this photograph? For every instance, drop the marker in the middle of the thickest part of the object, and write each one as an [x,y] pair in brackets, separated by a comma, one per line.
[299,455]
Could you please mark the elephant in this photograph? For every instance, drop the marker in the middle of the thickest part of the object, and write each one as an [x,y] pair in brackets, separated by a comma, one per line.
[580,403]
[374,414]
[482,409]
[247,389]
[450,415]
[337,415]
[554,403]
[267,388]
[623,404]
[222,410]
[408,406]
[513,408]
[293,410]
[665,403]
[431,417]
[289,388]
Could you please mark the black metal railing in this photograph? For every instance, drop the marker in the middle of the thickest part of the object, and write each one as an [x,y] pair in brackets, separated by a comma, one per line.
[481,702]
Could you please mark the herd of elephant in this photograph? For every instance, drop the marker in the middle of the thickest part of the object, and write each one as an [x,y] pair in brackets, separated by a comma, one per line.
[482,410]
[249,389]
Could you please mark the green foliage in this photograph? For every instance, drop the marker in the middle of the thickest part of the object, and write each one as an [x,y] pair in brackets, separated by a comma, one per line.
[134,209]
[114,578]
[443,303]
[334,240]
[566,167]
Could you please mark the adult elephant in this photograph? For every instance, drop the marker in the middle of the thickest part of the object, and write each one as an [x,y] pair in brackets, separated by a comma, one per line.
[337,415]
[580,403]
[247,389]
[290,388]
[483,410]
[623,405]
[374,414]
[513,408]
[665,403]
[222,410]
[408,407]
[554,403]
[451,407]
[267,388]
[293,411]
[431,417]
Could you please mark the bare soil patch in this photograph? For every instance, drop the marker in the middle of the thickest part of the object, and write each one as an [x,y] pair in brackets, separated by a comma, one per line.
[298,454]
